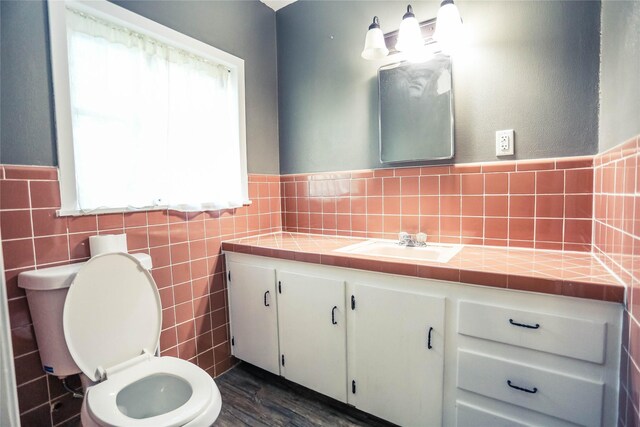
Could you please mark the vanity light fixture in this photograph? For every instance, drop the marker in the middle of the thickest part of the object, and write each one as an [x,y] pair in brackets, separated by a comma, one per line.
[374,45]
[412,36]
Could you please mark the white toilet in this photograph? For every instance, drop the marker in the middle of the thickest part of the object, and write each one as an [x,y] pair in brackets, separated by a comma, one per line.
[111,323]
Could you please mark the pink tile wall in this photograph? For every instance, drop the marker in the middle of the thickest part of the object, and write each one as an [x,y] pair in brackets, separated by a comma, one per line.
[616,241]
[187,266]
[544,204]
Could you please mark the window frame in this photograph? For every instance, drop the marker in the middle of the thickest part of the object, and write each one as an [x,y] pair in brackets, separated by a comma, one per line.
[61,89]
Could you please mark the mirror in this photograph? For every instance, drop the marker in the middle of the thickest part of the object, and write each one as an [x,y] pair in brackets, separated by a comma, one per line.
[416,110]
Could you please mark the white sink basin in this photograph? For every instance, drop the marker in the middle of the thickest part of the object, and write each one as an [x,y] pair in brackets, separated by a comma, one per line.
[434,252]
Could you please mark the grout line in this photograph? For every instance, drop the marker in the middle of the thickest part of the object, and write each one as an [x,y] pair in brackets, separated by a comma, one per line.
[631,359]
[66,420]
[619,230]
[604,265]
[33,379]
[33,409]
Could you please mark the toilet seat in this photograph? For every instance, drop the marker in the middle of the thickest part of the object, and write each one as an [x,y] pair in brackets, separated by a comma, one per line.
[112,320]
[101,398]
[112,314]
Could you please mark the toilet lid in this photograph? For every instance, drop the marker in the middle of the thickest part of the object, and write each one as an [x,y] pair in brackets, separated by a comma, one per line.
[112,313]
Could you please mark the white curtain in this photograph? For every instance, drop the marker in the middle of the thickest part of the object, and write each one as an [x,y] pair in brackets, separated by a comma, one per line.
[153,125]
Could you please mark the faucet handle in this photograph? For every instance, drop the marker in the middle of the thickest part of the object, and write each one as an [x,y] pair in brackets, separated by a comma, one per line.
[404,236]
[421,237]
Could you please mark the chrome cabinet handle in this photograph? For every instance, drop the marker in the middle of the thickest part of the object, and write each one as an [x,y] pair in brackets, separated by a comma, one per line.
[522,325]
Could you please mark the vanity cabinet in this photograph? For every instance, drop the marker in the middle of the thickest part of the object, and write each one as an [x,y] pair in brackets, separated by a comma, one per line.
[396,354]
[253,315]
[424,352]
[395,339]
[313,332]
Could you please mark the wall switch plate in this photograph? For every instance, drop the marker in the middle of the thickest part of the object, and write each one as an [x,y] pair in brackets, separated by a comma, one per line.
[505,143]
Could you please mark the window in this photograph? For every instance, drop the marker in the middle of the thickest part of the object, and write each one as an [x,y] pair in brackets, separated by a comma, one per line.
[146,117]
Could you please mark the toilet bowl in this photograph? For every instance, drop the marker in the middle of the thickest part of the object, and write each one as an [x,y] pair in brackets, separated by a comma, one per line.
[112,320]
[158,391]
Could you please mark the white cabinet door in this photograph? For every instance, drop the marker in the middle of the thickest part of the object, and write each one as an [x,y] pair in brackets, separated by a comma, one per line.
[396,355]
[254,315]
[313,333]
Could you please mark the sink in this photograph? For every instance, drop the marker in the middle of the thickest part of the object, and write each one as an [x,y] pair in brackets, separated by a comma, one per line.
[434,252]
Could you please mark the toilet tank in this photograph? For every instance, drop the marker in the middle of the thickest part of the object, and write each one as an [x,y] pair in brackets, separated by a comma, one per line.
[46,290]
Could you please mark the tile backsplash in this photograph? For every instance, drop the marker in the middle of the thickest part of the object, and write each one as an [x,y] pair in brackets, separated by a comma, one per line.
[545,204]
[187,266]
[616,242]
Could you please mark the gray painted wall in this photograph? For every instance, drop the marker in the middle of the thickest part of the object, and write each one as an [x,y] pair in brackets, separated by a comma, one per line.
[531,66]
[27,132]
[620,73]
[243,28]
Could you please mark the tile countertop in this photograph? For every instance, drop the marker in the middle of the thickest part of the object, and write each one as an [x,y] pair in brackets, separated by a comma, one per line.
[574,274]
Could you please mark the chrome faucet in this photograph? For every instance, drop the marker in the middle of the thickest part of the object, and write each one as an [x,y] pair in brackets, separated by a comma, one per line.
[405,239]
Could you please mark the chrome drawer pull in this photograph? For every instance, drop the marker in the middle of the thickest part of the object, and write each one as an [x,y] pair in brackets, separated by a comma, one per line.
[522,325]
[526,390]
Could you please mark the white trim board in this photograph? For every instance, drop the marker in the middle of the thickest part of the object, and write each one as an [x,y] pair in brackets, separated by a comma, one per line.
[9,413]
[60,73]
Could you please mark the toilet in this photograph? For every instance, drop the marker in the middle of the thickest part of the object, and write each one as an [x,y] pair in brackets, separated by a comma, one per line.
[111,322]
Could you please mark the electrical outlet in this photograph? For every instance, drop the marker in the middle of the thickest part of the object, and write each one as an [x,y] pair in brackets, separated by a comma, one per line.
[505,143]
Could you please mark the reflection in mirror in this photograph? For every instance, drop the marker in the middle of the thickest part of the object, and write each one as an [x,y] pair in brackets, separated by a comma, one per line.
[416,111]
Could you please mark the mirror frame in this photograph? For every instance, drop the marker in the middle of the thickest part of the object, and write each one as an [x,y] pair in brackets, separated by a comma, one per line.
[451,114]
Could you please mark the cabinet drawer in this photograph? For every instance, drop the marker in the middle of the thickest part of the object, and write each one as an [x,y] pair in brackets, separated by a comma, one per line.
[566,336]
[472,416]
[570,398]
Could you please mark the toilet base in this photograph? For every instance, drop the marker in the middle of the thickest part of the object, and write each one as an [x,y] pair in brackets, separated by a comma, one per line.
[205,419]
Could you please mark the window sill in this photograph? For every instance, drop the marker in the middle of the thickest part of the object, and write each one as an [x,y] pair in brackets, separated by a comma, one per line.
[76,212]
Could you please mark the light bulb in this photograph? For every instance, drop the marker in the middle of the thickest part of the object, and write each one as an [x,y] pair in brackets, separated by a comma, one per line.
[448,26]
[409,34]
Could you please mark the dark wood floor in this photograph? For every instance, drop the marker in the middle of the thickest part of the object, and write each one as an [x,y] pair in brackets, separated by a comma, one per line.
[253,397]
